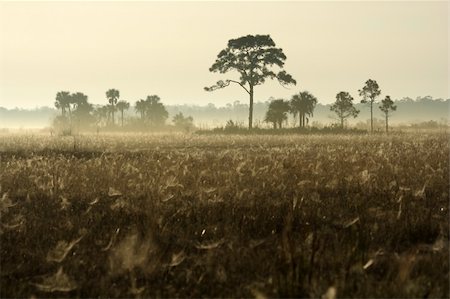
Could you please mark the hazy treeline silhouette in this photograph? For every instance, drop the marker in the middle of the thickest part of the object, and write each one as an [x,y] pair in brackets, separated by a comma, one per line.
[302,105]
[409,111]
[76,113]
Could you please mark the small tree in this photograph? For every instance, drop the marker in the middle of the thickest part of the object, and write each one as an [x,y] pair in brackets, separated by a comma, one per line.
[277,113]
[82,110]
[387,106]
[370,92]
[303,105]
[122,105]
[252,56]
[181,122]
[140,108]
[343,107]
[101,115]
[113,96]
[155,111]
[62,101]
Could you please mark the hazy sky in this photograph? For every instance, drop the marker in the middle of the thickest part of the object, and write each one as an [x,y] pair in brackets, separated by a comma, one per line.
[166,48]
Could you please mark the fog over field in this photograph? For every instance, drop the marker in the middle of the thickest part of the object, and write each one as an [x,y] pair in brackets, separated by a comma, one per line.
[419,110]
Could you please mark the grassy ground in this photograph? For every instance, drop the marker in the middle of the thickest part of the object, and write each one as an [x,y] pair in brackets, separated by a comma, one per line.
[224,216]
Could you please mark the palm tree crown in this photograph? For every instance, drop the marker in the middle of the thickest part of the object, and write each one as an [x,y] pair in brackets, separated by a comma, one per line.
[303,104]
[63,99]
[112,95]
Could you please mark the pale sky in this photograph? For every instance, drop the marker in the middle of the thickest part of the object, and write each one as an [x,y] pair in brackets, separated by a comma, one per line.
[166,48]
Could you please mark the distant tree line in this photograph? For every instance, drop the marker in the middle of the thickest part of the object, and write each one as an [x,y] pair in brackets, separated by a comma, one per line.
[77,113]
[419,111]
[302,106]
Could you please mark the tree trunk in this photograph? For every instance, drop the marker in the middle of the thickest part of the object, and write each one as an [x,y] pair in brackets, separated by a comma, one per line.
[70,119]
[299,119]
[122,117]
[280,124]
[250,110]
[371,117]
[386,123]
[304,118]
[342,122]
[112,112]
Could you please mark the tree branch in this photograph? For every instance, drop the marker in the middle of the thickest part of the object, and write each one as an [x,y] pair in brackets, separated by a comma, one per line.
[223,84]
[242,85]
[285,79]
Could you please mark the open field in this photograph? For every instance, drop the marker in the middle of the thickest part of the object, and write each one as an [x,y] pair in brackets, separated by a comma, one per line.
[224,216]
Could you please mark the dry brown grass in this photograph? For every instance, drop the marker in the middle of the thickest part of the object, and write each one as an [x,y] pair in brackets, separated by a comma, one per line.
[224,216]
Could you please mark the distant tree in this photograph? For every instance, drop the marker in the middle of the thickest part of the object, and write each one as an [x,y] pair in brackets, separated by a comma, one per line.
[113,96]
[101,114]
[387,106]
[111,111]
[370,92]
[140,108]
[277,112]
[79,99]
[71,105]
[82,109]
[62,101]
[231,125]
[271,117]
[182,122]
[343,107]
[252,56]
[303,105]
[122,105]
[155,111]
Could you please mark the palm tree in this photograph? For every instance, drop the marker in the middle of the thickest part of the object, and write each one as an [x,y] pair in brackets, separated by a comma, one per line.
[79,99]
[140,108]
[277,112]
[62,102]
[101,113]
[303,105]
[122,105]
[155,110]
[112,95]
[82,109]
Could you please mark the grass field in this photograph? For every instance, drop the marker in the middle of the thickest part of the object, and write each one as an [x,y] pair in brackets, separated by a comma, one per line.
[224,216]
